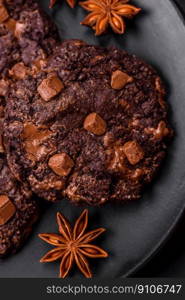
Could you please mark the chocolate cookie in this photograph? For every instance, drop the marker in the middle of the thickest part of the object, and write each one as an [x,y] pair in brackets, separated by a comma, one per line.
[92,126]
[18,212]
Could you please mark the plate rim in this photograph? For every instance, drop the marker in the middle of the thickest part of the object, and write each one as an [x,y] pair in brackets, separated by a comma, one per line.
[165,238]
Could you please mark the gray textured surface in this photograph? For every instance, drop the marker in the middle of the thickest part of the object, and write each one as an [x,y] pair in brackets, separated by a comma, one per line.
[134,230]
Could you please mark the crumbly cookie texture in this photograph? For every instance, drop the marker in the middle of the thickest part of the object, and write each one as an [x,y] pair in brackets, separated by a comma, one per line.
[92,126]
[18,211]
[27,37]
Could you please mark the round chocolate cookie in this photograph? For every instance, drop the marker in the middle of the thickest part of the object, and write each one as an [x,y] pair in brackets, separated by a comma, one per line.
[18,211]
[92,126]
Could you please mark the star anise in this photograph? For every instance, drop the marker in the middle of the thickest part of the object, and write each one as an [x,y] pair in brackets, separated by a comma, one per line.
[72,245]
[108,12]
[70,2]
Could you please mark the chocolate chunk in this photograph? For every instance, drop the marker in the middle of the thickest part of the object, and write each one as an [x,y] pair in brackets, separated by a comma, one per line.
[133,152]
[116,159]
[7,209]
[50,87]
[61,164]
[3,13]
[19,71]
[33,138]
[95,124]
[119,79]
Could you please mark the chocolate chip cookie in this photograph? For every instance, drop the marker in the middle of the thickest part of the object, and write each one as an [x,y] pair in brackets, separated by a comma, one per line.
[92,126]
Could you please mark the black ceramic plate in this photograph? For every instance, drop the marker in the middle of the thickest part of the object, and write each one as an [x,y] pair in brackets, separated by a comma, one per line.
[135,230]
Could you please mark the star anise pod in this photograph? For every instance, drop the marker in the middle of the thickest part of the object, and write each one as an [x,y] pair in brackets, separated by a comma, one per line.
[108,12]
[73,245]
[70,2]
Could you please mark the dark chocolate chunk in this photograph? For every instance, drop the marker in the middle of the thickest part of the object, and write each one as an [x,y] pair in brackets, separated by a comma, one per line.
[7,209]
